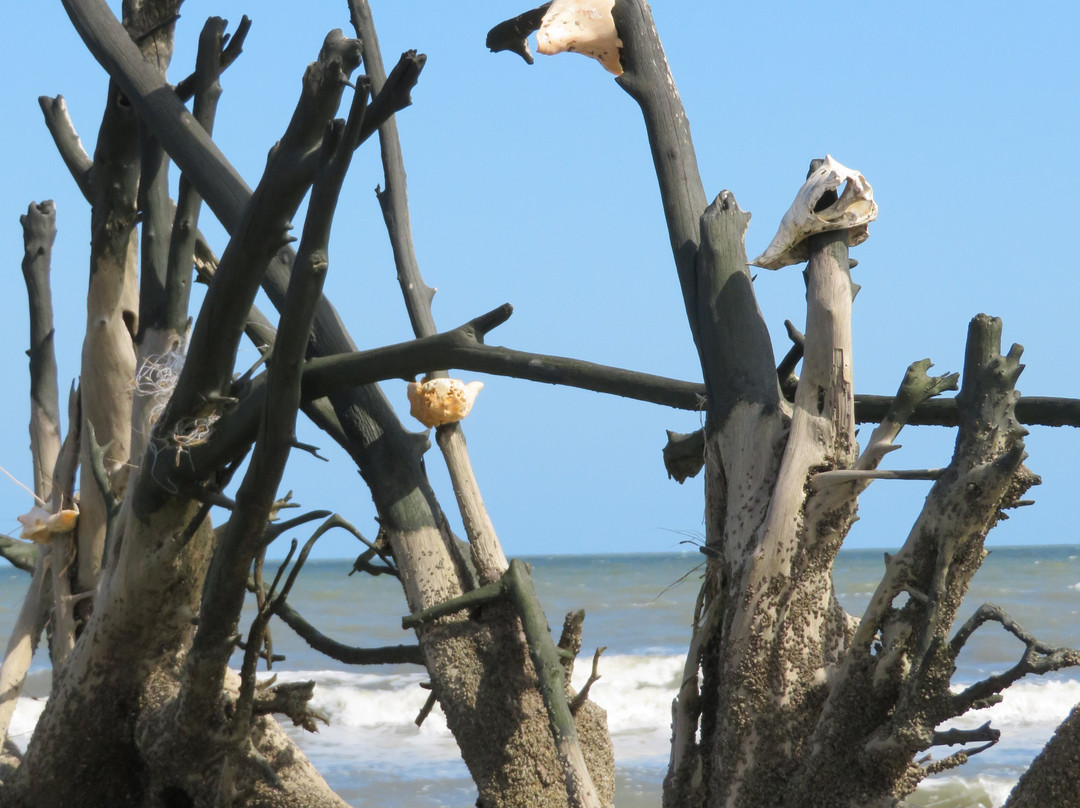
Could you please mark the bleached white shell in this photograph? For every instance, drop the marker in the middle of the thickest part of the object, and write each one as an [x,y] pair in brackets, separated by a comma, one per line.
[42,526]
[853,211]
[441,401]
[581,26]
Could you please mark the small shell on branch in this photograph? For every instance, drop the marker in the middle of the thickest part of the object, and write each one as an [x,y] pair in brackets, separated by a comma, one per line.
[852,211]
[581,26]
[43,527]
[441,401]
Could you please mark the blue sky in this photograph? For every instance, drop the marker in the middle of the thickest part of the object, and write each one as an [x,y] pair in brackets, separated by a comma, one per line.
[534,185]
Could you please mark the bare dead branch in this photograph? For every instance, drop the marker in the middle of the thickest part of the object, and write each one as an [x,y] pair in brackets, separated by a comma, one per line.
[647,79]
[732,338]
[425,711]
[276,529]
[257,326]
[62,550]
[39,233]
[909,645]
[350,655]
[229,50]
[516,587]
[361,564]
[155,228]
[245,699]
[101,476]
[951,737]
[206,87]
[487,593]
[224,594]
[220,325]
[916,388]
[580,790]
[569,643]
[513,34]
[1038,657]
[594,676]
[785,371]
[67,141]
[955,759]
[291,699]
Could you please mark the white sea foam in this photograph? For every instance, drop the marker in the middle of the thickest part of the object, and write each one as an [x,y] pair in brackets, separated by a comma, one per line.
[376,712]
[983,791]
[24,719]
[1030,704]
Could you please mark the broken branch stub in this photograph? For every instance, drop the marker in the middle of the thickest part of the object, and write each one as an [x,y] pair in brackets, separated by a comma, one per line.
[812,213]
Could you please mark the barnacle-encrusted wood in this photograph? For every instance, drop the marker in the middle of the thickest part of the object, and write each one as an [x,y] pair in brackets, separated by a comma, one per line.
[441,401]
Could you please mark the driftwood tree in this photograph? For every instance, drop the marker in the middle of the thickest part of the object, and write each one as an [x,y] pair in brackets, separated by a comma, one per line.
[143,596]
[786,699]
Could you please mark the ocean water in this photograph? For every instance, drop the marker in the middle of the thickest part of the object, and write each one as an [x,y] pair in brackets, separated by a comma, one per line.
[640,607]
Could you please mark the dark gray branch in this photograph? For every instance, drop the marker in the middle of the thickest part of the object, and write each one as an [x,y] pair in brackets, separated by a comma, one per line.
[39,233]
[245,698]
[733,340]
[223,594]
[67,141]
[513,34]
[951,737]
[188,87]
[389,655]
[206,88]
[647,79]
[155,219]
[152,26]
[1038,657]
[263,228]
[1031,410]
[461,348]
[393,199]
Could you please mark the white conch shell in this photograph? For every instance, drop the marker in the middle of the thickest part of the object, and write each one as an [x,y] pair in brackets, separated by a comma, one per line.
[581,26]
[441,401]
[43,527]
[853,211]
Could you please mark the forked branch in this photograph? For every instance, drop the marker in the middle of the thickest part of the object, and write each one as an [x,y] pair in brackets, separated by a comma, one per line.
[1038,657]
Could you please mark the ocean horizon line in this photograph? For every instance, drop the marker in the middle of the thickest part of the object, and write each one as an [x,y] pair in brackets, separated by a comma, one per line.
[694,550]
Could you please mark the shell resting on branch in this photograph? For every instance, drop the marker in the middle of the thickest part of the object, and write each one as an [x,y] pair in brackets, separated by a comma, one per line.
[441,401]
[852,211]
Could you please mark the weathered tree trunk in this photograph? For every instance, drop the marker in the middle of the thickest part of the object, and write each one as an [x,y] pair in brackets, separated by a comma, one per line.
[1054,776]
[787,700]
